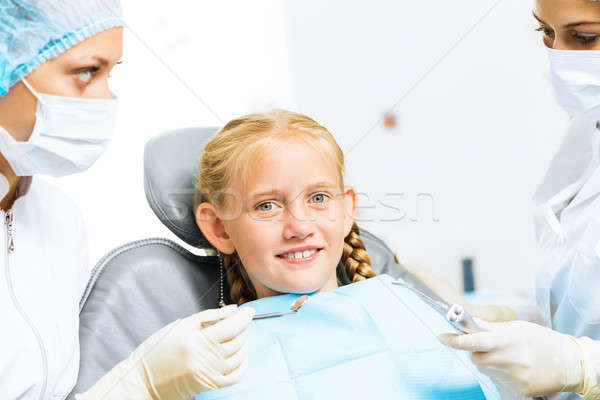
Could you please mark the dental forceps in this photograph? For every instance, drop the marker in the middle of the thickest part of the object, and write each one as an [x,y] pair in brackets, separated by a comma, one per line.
[455,314]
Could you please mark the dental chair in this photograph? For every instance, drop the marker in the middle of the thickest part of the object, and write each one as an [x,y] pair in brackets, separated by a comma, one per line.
[138,288]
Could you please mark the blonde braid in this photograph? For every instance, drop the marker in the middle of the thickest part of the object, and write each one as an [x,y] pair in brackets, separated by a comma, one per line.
[241,289]
[355,257]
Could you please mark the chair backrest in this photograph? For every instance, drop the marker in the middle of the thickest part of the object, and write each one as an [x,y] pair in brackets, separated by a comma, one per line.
[171,162]
[140,287]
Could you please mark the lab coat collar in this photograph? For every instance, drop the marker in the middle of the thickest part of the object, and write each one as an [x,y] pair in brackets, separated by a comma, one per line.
[590,189]
[573,164]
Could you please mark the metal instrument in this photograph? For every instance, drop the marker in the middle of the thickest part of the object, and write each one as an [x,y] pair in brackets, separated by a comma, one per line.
[296,305]
[455,314]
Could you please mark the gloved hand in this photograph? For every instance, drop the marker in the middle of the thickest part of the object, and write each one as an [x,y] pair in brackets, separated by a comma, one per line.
[492,313]
[528,358]
[181,360]
[451,295]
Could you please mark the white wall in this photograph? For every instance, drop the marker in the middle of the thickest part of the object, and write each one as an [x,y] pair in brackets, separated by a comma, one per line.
[477,123]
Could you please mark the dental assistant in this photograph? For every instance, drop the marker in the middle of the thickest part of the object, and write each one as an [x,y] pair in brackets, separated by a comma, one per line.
[57,116]
[562,359]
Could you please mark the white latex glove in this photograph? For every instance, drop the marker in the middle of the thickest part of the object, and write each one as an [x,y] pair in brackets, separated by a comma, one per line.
[181,360]
[526,357]
[452,295]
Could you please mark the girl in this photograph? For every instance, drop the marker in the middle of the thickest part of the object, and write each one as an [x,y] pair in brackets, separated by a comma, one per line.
[301,234]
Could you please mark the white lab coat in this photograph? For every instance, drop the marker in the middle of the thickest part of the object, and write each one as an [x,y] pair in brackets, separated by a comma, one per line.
[567,225]
[41,282]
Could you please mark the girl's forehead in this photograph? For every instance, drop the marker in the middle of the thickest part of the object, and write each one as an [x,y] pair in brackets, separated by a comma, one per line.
[286,164]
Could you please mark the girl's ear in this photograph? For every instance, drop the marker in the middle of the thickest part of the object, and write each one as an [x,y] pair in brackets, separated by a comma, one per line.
[350,205]
[213,229]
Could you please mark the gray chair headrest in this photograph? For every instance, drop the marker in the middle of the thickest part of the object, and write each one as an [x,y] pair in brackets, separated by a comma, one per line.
[171,162]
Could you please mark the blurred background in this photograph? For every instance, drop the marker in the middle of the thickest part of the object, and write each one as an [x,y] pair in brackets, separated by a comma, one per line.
[442,109]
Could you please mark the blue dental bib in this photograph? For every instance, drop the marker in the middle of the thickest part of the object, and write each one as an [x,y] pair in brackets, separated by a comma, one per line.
[366,340]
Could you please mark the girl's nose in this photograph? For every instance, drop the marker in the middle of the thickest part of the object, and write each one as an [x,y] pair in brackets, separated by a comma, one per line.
[298,222]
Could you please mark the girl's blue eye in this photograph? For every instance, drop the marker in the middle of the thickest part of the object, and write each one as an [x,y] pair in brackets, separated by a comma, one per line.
[320,198]
[268,206]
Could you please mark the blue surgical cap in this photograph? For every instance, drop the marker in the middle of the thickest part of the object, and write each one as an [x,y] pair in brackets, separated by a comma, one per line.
[35,31]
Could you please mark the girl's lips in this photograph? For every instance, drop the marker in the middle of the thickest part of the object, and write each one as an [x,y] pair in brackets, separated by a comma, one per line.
[303,260]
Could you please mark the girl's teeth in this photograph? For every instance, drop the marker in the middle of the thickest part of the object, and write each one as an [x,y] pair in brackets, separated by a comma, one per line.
[300,254]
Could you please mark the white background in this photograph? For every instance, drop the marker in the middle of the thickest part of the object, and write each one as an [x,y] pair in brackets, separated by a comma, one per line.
[477,124]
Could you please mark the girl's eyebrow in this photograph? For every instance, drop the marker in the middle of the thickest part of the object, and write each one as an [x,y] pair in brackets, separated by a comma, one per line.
[263,193]
[320,184]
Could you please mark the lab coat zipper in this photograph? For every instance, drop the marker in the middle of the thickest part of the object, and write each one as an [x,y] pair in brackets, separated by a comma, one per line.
[8,220]
[10,248]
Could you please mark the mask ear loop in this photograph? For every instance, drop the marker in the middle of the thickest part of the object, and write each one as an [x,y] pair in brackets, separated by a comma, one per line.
[32,90]
[36,95]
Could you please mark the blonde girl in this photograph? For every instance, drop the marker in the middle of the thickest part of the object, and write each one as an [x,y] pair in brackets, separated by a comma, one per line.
[272,200]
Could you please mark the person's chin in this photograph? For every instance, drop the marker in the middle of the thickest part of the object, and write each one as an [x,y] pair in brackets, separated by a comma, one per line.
[298,284]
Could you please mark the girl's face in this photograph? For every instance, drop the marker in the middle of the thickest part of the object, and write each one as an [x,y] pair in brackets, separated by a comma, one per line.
[290,220]
[569,24]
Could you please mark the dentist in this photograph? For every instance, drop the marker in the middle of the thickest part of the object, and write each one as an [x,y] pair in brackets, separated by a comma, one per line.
[57,116]
[562,359]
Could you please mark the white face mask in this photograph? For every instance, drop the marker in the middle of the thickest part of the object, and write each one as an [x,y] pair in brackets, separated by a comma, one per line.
[69,135]
[575,78]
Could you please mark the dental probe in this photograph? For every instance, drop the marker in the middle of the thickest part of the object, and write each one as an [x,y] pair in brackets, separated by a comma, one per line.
[296,305]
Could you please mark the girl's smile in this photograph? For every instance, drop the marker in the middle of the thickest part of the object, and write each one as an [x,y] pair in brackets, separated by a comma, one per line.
[301,255]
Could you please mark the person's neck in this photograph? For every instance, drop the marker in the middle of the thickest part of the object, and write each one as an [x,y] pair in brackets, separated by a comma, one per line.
[13,183]
[264,291]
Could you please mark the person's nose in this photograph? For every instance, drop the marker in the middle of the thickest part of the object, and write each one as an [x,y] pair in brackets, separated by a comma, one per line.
[106,93]
[298,221]
[559,43]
